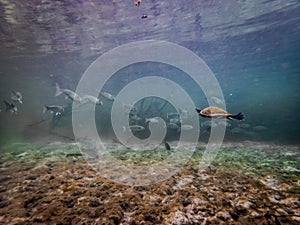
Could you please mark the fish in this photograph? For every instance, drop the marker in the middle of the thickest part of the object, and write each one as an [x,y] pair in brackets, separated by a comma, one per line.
[186,127]
[173,116]
[107,96]
[174,121]
[152,120]
[91,99]
[172,126]
[56,109]
[10,107]
[167,146]
[69,94]
[16,96]
[135,128]
[135,118]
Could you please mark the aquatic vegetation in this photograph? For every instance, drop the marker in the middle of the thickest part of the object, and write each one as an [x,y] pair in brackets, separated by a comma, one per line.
[243,183]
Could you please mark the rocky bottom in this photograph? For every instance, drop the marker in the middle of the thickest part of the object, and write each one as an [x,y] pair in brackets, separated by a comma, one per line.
[248,183]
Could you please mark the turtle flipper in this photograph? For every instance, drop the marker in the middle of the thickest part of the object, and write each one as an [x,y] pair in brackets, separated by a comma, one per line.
[239,116]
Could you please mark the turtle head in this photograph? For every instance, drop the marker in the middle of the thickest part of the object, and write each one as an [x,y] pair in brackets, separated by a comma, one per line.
[198,110]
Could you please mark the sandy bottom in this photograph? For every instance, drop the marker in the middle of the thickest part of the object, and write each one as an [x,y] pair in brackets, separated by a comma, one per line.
[248,183]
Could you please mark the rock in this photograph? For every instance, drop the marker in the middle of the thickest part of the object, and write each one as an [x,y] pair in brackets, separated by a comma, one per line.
[186,203]
[5,178]
[223,216]
[236,213]
[31,177]
[177,218]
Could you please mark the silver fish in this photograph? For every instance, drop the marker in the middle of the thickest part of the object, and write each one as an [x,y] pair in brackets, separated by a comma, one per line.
[107,96]
[91,99]
[69,94]
[135,118]
[152,120]
[172,126]
[10,107]
[186,127]
[174,121]
[135,128]
[173,117]
[58,110]
[16,96]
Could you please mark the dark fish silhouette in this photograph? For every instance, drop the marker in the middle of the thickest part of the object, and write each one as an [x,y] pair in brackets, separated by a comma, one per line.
[167,146]
[10,107]
[56,109]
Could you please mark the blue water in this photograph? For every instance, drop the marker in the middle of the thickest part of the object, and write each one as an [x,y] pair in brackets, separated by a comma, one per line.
[252,47]
[49,163]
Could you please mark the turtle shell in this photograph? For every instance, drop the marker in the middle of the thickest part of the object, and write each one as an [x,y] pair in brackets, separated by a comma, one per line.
[214,112]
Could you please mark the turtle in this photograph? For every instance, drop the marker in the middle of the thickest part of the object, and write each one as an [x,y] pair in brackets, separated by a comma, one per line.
[216,112]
